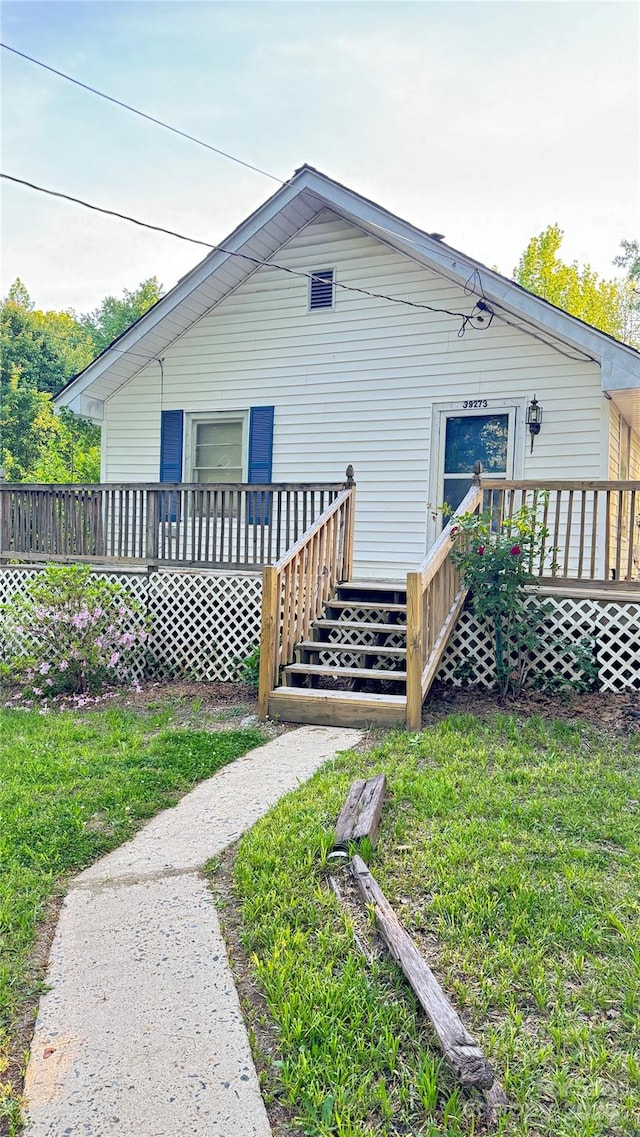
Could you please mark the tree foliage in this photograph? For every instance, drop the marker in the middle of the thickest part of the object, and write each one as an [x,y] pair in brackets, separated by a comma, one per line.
[606,304]
[39,352]
[40,349]
[115,314]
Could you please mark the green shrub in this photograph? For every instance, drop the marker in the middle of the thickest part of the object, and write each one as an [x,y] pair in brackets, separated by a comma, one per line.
[71,633]
[496,562]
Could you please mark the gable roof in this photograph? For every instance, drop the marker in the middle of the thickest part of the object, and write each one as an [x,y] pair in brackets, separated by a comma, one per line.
[274,223]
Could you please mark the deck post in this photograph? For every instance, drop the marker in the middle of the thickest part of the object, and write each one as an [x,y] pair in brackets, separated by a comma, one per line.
[151,535]
[350,525]
[5,506]
[415,650]
[268,638]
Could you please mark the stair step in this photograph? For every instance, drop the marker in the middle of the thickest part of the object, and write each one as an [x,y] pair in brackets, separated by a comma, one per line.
[391,585]
[329,670]
[367,605]
[358,625]
[357,649]
[336,708]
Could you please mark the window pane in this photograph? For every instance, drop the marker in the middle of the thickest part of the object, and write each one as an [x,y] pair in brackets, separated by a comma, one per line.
[217,474]
[218,452]
[473,438]
[454,491]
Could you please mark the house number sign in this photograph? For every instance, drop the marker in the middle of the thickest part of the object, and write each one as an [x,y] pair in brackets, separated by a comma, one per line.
[474,404]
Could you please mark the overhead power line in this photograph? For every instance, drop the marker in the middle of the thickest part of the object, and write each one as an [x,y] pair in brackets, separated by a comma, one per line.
[141,114]
[479,318]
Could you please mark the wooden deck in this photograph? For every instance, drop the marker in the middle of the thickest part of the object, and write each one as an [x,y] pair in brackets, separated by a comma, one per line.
[218,525]
[317,623]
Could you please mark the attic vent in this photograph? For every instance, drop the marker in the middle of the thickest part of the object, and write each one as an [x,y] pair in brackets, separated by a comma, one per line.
[321,289]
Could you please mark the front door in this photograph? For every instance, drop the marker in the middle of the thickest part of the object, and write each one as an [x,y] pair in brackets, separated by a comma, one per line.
[467,439]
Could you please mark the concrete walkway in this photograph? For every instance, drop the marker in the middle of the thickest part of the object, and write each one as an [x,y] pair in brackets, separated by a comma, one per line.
[141,1034]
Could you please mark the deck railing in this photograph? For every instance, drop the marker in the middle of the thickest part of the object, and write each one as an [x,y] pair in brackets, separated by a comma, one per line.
[197,524]
[296,588]
[594,527]
[435,595]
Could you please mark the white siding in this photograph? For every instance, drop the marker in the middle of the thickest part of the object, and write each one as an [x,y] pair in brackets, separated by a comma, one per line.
[624,448]
[358,384]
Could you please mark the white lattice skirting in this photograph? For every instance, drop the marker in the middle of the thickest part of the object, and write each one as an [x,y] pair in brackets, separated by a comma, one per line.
[202,625]
[606,632]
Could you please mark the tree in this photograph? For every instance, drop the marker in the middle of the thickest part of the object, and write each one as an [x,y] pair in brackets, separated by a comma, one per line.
[579,290]
[38,445]
[629,259]
[43,349]
[40,352]
[115,315]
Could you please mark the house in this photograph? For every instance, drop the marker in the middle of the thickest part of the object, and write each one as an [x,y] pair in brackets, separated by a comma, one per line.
[327,333]
[246,372]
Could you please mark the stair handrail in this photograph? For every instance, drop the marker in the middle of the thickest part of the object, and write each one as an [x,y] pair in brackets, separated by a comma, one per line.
[296,588]
[435,595]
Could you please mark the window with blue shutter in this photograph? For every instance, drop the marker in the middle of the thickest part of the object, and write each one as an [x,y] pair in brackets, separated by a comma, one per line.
[260,459]
[171,435]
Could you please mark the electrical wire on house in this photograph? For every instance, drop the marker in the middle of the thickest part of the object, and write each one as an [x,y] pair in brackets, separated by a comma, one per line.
[141,114]
[474,287]
[479,318]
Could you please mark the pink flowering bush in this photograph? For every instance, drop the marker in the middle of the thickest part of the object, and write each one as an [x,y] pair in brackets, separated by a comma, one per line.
[496,561]
[76,633]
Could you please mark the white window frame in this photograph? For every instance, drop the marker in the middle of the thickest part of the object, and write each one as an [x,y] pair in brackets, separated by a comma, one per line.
[514,407]
[194,420]
[329,307]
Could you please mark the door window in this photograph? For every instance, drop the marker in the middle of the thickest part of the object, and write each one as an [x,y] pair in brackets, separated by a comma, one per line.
[469,439]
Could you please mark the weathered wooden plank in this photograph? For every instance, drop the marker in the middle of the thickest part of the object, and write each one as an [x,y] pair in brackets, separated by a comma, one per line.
[460,1049]
[361,812]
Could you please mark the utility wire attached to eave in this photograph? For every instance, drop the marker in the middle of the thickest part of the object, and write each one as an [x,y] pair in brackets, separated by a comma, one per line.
[479,318]
[141,114]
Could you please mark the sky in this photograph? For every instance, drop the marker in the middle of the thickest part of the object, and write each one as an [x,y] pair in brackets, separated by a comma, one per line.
[484,121]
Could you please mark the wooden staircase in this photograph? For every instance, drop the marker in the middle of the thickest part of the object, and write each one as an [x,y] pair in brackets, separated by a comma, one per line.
[351,668]
[342,652]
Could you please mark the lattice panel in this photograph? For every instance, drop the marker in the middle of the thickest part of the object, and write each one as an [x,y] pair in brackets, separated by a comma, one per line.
[364,638]
[354,659]
[618,645]
[613,627]
[364,615]
[204,625]
[13,583]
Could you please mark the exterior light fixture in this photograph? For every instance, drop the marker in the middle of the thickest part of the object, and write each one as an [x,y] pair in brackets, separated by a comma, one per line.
[534,419]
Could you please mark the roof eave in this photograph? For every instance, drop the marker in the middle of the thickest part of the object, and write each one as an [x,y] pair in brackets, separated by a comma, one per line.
[620,363]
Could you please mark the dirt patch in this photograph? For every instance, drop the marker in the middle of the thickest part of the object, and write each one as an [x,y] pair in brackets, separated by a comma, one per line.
[610,714]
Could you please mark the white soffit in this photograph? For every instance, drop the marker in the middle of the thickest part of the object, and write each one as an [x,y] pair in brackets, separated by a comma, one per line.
[628,403]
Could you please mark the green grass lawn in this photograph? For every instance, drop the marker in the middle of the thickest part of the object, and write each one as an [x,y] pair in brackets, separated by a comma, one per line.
[510,850]
[72,787]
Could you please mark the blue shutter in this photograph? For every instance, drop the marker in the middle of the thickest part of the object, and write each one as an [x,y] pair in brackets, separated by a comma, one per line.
[171,446]
[260,459]
[171,431]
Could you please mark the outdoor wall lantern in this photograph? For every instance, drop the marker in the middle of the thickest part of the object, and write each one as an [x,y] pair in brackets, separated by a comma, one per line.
[534,419]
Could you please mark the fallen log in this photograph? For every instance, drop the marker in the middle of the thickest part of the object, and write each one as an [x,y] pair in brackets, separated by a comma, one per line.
[360,814]
[461,1051]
